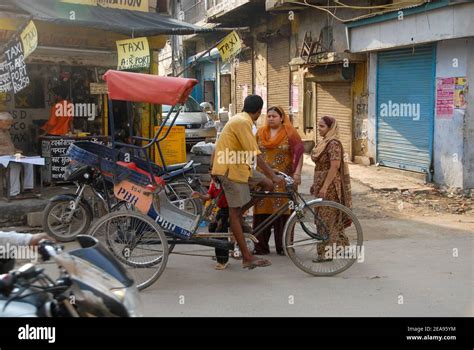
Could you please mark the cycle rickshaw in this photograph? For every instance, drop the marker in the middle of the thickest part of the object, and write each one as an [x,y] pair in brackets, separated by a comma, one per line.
[143,238]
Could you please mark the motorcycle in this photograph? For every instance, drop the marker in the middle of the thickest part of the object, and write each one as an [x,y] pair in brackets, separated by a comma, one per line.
[69,215]
[91,283]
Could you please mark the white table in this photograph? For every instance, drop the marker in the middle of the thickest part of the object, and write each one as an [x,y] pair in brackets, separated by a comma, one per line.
[4,163]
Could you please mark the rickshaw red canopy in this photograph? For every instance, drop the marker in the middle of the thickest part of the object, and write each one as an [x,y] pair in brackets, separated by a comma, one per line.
[139,87]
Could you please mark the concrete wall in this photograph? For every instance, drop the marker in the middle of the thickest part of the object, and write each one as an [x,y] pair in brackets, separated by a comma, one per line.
[448,145]
[260,73]
[372,112]
[445,23]
[469,123]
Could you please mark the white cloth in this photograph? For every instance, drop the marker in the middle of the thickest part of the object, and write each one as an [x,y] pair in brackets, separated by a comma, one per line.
[15,169]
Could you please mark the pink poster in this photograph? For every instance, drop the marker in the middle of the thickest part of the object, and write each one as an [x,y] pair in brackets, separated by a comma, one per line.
[445,98]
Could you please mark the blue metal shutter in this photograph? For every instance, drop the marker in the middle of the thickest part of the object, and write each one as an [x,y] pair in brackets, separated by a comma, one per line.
[405,78]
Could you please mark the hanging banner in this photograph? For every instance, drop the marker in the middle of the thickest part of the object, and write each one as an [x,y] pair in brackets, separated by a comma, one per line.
[229,46]
[133,53]
[132,5]
[29,39]
[5,81]
[15,62]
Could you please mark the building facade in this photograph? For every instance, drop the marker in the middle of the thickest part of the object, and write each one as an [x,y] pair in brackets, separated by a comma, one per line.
[420,109]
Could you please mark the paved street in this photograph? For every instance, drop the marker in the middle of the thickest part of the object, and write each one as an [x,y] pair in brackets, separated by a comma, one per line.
[409,270]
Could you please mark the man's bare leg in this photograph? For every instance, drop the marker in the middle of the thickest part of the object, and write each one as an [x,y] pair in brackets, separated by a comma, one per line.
[236,226]
[265,185]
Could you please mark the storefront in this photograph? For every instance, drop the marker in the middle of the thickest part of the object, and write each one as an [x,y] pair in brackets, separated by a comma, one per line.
[405,113]
[72,60]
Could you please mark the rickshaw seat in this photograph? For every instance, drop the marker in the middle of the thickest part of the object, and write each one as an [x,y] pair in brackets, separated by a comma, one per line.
[134,167]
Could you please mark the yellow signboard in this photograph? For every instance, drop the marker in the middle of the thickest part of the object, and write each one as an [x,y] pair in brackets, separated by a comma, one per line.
[229,46]
[173,146]
[133,5]
[133,53]
[29,39]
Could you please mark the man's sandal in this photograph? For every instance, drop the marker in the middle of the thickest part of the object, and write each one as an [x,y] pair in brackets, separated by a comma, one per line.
[256,263]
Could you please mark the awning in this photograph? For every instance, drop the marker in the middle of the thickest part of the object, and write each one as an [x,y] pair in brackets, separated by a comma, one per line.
[131,23]
[138,87]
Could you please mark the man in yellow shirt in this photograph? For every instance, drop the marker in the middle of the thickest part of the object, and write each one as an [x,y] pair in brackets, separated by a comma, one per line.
[235,159]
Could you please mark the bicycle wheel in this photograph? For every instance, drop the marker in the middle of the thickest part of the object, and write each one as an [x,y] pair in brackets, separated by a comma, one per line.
[64,224]
[323,239]
[179,194]
[137,242]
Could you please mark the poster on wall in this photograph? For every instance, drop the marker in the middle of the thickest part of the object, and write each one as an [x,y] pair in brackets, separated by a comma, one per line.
[460,91]
[445,98]
[261,90]
[245,92]
[294,98]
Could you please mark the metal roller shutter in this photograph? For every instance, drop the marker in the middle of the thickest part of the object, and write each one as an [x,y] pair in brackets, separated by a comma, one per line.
[405,85]
[243,79]
[278,73]
[334,99]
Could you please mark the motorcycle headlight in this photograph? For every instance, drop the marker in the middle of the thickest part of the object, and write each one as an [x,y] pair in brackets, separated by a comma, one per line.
[130,299]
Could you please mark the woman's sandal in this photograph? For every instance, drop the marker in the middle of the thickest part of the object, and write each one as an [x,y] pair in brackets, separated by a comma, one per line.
[256,263]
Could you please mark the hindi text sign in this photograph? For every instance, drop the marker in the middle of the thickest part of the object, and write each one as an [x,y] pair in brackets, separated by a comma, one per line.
[173,147]
[15,62]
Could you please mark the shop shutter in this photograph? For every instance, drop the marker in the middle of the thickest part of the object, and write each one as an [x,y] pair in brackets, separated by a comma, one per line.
[278,73]
[405,78]
[334,99]
[243,79]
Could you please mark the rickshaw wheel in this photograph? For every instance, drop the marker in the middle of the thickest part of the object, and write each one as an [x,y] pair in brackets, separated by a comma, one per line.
[137,242]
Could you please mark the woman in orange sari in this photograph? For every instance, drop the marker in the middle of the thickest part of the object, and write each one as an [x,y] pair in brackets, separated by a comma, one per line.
[282,149]
[331,182]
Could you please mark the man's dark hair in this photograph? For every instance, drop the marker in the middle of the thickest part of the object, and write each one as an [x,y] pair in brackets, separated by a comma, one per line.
[252,104]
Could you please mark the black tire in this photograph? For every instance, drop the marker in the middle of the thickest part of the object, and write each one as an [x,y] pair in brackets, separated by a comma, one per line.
[55,212]
[126,232]
[296,238]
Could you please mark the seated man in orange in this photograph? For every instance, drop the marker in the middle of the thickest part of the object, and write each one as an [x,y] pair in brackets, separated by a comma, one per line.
[60,118]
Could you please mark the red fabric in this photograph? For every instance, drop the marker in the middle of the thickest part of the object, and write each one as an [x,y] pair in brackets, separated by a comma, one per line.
[133,166]
[139,87]
[214,192]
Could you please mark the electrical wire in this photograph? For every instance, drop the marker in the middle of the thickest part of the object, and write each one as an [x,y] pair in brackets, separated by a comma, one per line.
[384,8]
